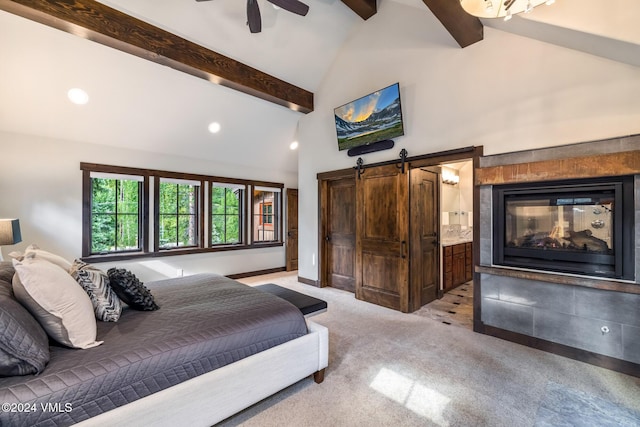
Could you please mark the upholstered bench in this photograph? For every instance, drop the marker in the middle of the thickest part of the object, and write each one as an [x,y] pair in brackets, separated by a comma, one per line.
[309,306]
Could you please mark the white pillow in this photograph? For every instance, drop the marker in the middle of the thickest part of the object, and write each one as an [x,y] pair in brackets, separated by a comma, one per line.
[53,258]
[54,298]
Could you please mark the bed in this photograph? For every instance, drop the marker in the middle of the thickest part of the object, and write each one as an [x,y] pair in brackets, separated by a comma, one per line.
[213,348]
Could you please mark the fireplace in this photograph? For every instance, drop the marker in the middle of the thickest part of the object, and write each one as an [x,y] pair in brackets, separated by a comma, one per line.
[581,227]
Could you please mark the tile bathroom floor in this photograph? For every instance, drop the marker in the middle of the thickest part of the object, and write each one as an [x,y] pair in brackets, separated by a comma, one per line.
[454,308]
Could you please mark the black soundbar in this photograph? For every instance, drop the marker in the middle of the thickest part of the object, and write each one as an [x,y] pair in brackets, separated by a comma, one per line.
[370,148]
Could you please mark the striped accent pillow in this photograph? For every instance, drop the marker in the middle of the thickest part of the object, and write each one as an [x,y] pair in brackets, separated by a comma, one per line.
[106,304]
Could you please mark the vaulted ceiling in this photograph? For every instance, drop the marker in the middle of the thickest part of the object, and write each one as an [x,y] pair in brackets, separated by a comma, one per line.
[142,104]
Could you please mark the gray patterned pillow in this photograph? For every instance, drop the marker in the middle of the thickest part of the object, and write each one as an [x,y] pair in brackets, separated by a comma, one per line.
[95,282]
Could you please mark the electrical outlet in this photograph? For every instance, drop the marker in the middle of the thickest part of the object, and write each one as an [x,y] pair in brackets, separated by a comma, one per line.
[313,259]
[179,272]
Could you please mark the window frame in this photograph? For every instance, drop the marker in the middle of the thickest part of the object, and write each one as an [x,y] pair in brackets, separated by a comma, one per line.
[87,213]
[242,213]
[276,214]
[199,214]
[149,222]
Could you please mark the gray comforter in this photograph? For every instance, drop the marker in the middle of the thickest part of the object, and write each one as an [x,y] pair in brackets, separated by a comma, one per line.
[205,321]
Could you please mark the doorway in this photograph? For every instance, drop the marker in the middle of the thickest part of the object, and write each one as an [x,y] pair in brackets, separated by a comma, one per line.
[291,250]
[454,305]
[391,255]
[338,231]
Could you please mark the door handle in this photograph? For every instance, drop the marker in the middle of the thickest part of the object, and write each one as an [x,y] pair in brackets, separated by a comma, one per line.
[403,246]
[327,238]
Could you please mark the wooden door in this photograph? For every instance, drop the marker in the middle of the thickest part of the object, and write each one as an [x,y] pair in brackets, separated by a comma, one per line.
[339,239]
[424,231]
[382,225]
[292,230]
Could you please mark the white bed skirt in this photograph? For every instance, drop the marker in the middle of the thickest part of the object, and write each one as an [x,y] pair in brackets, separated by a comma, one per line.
[216,395]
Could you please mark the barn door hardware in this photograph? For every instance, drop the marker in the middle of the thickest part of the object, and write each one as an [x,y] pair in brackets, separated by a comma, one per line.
[360,166]
[403,158]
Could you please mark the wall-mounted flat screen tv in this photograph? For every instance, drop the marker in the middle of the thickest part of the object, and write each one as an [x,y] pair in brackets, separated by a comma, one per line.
[372,118]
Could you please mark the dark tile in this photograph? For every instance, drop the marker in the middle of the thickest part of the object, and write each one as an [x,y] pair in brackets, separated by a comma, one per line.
[506,315]
[485,252]
[547,296]
[563,406]
[490,286]
[579,332]
[630,144]
[606,305]
[631,343]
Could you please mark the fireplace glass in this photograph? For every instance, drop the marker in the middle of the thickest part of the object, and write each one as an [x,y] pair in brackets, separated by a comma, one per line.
[577,228]
[558,223]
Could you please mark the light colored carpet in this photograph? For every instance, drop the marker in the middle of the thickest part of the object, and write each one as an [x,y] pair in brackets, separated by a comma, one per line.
[392,369]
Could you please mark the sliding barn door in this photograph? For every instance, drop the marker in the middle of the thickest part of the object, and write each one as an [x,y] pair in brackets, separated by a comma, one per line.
[382,253]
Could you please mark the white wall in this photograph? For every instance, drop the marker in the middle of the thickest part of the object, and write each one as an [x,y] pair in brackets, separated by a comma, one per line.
[506,93]
[41,184]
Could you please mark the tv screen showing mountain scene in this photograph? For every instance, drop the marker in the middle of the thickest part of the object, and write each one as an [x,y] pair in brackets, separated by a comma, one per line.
[372,118]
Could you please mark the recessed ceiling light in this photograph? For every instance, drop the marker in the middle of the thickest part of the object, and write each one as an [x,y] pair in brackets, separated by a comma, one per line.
[78,96]
[214,127]
[293,145]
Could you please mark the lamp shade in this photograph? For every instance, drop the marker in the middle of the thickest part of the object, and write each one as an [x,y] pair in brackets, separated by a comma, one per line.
[10,232]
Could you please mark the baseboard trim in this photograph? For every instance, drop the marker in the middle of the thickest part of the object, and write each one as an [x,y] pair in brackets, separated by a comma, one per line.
[311,282]
[585,356]
[256,273]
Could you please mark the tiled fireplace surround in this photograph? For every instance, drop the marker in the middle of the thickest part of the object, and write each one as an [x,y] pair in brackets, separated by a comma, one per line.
[560,313]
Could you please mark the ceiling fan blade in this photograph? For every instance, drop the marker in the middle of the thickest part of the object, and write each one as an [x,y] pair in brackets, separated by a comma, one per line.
[293,6]
[253,16]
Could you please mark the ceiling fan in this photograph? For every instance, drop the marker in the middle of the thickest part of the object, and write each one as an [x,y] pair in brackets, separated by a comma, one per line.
[253,11]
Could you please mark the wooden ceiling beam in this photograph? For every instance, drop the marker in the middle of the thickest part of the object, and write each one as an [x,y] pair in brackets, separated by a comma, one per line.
[94,21]
[464,28]
[364,8]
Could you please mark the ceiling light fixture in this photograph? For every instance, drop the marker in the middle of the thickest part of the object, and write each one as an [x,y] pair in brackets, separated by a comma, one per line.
[294,145]
[78,96]
[502,9]
[214,127]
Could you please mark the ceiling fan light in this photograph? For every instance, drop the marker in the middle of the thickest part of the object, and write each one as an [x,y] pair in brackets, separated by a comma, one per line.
[489,6]
[549,2]
[508,16]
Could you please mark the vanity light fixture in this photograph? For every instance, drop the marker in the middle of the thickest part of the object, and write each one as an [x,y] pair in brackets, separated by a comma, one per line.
[450,178]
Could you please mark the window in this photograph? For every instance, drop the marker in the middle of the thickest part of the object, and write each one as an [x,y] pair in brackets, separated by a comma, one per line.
[266,214]
[178,213]
[133,212]
[115,213]
[226,214]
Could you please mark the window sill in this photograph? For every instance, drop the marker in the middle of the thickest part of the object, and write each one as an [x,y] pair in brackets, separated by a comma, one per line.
[175,252]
